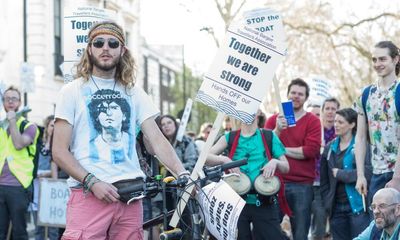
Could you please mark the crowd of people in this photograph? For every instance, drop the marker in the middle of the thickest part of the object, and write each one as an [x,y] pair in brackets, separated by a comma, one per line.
[337,166]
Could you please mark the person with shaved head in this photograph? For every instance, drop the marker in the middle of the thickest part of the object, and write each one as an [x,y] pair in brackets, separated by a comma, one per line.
[386,209]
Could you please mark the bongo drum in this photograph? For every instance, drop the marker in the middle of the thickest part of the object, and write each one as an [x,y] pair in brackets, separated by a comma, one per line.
[267,186]
[241,184]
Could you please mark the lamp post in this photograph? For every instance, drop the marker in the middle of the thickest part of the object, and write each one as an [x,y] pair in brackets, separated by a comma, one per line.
[25,47]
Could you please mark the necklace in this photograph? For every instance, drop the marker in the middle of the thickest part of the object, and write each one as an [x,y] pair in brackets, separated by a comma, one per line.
[91,77]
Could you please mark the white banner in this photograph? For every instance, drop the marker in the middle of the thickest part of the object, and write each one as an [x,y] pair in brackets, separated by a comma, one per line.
[53,197]
[77,23]
[241,72]
[222,207]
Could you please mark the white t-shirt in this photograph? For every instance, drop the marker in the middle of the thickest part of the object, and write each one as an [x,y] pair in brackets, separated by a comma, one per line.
[104,116]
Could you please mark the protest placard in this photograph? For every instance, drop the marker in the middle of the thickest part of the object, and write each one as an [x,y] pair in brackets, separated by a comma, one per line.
[240,73]
[235,84]
[320,89]
[269,23]
[184,120]
[222,209]
[77,23]
[53,197]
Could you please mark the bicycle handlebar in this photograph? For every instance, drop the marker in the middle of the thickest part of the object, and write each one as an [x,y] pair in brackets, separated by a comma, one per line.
[215,173]
[211,173]
[131,188]
[233,164]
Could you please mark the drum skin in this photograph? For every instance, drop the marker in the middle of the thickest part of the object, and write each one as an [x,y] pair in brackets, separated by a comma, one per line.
[241,184]
[267,186]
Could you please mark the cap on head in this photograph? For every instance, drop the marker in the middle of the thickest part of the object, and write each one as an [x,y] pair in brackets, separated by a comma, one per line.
[110,28]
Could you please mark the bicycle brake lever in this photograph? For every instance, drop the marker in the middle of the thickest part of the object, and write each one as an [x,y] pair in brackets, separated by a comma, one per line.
[230,174]
[134,199]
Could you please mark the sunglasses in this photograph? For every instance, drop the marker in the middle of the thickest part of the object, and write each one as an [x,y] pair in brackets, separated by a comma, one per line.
[99,42]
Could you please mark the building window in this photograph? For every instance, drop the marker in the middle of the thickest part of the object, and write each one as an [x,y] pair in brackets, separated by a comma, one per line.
[58,56]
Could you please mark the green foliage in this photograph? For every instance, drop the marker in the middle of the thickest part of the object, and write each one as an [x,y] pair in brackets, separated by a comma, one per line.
[200,112]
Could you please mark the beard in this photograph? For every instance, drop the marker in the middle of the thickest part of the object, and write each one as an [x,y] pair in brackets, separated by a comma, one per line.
[104,66]
[388,221]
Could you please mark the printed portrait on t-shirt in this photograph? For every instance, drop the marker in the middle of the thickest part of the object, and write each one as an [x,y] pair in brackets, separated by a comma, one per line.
[110,115]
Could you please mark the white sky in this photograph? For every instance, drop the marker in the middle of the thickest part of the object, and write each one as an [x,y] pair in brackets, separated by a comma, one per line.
[170,22]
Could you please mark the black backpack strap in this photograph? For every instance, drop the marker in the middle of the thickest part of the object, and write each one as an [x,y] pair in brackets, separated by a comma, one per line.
[23,125]
[21,130]
[267,135]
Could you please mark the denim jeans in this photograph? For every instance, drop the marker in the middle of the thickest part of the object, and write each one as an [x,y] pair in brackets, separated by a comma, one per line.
[299,198]
[14,203]
[378,181]
[346,225]
[318,224]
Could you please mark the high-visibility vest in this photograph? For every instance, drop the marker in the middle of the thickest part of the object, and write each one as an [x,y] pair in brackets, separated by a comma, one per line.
[20,162]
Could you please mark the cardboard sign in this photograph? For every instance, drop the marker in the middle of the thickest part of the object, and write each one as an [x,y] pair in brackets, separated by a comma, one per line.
[269,23]
[222,209]
[235,84]
[240,73]
[77,23]
[320,89]
[184,120]
[53,197]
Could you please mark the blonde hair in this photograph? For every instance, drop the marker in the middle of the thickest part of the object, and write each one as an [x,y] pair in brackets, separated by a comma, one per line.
[126,68]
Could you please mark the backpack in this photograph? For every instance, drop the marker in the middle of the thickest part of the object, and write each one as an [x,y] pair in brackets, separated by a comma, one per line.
[372,88]
[38,140]
[266,136]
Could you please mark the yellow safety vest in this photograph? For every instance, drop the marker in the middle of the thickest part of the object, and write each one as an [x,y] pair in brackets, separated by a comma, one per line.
[20,163]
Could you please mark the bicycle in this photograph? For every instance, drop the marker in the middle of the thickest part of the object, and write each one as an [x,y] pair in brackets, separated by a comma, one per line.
[158,184]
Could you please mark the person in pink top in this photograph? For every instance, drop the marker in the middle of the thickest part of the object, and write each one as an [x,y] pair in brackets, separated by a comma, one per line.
[302,143]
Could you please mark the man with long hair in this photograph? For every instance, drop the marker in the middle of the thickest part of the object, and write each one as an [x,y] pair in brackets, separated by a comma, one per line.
[103,105]
[378,123]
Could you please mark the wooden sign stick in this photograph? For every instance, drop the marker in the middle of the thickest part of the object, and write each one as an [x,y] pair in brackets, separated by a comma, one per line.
[277,94]
[197,168]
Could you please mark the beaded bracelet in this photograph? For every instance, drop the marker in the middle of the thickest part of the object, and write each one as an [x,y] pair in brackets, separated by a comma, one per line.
[86,188]
[84,179]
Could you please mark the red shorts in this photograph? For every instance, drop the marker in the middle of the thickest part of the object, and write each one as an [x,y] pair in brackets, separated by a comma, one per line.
[90,218]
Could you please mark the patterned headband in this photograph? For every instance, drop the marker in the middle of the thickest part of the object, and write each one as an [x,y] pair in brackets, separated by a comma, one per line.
[107,28]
